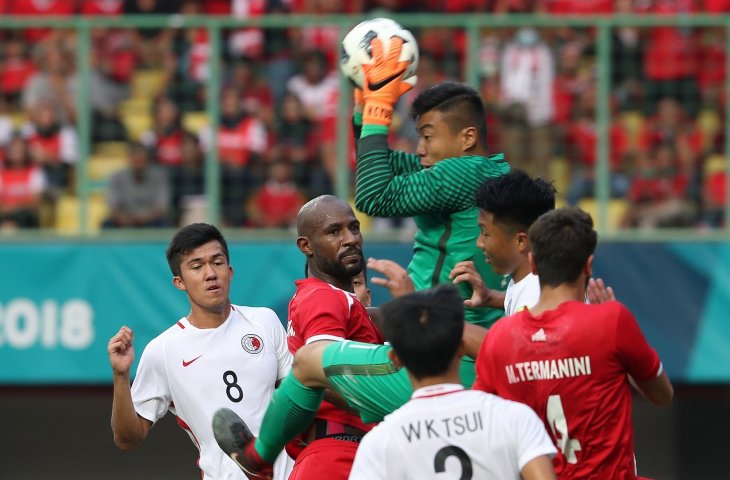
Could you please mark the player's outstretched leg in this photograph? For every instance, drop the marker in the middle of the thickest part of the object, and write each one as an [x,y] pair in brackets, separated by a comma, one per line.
[234,438]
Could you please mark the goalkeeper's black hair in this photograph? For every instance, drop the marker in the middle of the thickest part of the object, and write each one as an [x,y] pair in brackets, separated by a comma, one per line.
[425,329]
[188,239]
[515,199]
[461,105]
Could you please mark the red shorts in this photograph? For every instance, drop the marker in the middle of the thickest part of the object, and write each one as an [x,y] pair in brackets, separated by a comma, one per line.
[328,458]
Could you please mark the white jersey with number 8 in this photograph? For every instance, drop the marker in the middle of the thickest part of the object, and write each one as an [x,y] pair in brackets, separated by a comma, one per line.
[193,372]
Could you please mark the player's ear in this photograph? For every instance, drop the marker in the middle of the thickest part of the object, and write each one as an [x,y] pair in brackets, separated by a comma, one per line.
[588,270]
[178,282]
[394,358]
[469,138]
[523,241]
[533,265]
[304,246]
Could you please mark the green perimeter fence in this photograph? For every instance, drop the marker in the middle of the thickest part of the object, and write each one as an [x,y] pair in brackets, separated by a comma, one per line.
[473,25]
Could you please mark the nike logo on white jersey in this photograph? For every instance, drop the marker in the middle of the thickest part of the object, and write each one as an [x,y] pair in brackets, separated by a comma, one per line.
[185,364]
[539,336]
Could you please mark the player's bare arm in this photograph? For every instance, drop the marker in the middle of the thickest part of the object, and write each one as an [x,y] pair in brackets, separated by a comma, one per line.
[129,428]
[473,338]
[658,391]
[597,292]
[481,296]
[539,468]
[396,277]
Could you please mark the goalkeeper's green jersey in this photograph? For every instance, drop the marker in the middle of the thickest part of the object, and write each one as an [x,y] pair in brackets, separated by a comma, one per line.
[441,199]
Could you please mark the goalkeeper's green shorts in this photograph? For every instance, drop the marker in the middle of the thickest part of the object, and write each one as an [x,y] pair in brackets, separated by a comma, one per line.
[366,378]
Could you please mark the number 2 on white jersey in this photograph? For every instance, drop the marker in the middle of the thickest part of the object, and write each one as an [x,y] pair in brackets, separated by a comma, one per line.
[559,426]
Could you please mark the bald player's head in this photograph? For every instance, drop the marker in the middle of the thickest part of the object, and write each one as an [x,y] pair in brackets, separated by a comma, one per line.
[315,212]
[329,236]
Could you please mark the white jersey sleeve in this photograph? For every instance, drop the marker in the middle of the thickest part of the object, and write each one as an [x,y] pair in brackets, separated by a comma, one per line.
[151,389]
[283,355]
[530,438]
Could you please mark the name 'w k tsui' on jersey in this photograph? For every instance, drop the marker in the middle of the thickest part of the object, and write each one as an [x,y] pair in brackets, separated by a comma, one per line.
[548,369]
[443,427]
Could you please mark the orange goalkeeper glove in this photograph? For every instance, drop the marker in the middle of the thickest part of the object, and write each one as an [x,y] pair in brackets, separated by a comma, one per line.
[384,83]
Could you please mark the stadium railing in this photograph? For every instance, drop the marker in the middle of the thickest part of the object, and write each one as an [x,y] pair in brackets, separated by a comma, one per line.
[472,24]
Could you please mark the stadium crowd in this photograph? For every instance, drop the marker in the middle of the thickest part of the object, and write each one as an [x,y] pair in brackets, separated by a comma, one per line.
[279,97]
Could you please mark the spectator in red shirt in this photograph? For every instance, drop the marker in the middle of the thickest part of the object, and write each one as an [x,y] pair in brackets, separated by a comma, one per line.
[113,62]
[52,146]
[16,69]
[22,185]
[277,202]
[242,140]
[165,138]
[582,145]
[101,7]
[659,192]
[257,98]
[670,61]
[296,143]
[44,8]
[576,7]
[715,6]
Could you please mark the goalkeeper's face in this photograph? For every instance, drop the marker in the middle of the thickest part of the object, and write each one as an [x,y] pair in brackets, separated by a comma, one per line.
[437,140]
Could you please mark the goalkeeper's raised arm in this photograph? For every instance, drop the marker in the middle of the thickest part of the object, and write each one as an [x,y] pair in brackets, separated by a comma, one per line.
[450,162]
[437,185]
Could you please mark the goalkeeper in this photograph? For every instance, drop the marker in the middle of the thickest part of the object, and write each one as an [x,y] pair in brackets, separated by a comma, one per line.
[437,186]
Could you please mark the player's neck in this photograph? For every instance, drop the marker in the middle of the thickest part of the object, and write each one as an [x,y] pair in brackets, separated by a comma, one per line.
[552,297]
[204,318]
[342,283]
[522,270]
[451,376]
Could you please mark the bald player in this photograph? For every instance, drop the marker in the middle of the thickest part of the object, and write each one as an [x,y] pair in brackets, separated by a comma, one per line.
[323,309]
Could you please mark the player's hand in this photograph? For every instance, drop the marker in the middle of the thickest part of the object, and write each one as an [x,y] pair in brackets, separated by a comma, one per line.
[384,83]
[121,351]
[396,277]
[481,295]
[597,292]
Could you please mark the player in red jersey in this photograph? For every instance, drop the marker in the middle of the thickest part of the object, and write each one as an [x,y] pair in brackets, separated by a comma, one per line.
[323,309]
[572,362]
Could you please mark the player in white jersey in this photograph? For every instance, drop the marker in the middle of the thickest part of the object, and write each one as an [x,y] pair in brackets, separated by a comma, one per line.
[219,355]
[444,428]
[508,205]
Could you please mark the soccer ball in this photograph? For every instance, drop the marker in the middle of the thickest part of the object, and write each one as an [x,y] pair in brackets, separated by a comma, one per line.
[356,47]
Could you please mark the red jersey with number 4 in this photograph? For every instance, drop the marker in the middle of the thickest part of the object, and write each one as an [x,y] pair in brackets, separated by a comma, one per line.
[320,311]
[570,365]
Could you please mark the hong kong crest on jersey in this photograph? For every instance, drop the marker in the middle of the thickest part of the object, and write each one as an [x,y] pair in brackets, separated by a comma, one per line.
[252,343]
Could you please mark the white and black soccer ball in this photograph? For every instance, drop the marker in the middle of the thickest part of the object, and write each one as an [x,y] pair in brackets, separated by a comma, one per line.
[356,47]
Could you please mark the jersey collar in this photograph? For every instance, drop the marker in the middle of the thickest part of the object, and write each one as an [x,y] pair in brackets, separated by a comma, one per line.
[437,390]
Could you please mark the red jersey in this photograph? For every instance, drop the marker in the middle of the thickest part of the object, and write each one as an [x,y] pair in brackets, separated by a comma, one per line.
[320,311]
[570,365]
